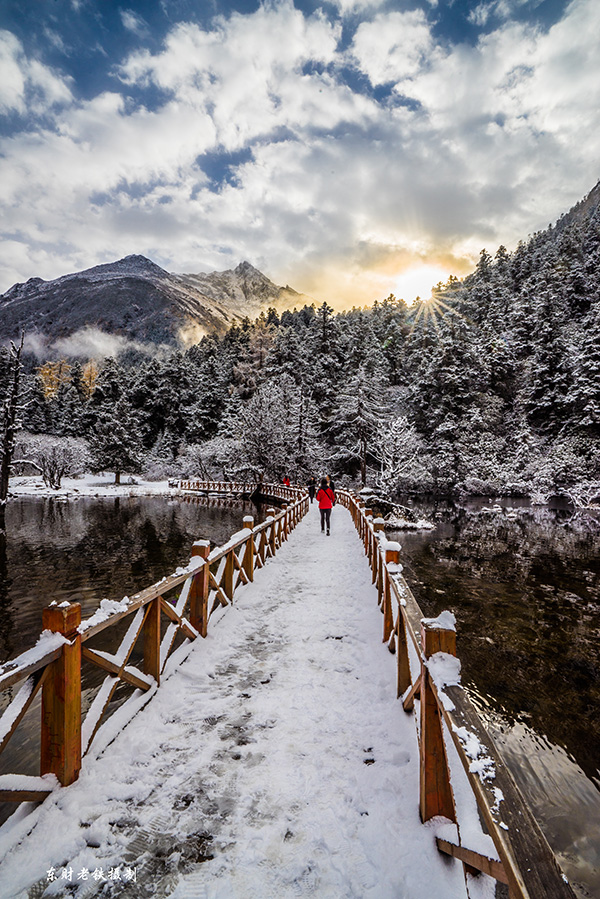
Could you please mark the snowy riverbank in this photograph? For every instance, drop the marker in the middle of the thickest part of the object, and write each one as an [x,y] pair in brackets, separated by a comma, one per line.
[90,485]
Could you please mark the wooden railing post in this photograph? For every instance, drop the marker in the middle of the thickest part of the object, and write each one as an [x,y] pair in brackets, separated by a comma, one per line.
[199,589]
[435,790]
[228,574]
[152,640]
[262,547]
[61,698]
[403,679]
[248,563]
[392,556]
[272,536]
[378,526]
[285,524]
[367,536]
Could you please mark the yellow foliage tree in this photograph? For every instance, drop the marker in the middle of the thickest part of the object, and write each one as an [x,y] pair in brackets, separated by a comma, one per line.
[53,375]
[89,377]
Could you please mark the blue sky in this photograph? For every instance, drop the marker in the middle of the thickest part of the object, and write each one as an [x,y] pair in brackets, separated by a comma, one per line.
[350,148]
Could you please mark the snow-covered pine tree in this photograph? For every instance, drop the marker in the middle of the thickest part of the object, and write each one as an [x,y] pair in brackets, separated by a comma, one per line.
[584,394]
[402,456]
[361,406]
[548,371]
[266,430]
[116,444]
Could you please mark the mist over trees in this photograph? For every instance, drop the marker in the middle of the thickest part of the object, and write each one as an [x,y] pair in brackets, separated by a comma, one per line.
[491,387]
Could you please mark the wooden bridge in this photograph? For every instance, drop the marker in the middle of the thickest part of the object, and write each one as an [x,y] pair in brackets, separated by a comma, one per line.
[456,754]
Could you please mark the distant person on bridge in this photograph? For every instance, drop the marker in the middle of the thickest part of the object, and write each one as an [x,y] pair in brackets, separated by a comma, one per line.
[286,481]
[326,500]
[312,486]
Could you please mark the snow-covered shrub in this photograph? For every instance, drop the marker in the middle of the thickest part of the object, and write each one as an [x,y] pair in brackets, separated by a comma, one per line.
[570,466]
[403,458]
[160,470]
[54,457]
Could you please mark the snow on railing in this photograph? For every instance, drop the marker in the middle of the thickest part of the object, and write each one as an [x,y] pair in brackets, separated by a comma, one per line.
[457,755]
[54,664]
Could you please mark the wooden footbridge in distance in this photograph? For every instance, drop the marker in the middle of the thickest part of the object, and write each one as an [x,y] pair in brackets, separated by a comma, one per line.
[179,608]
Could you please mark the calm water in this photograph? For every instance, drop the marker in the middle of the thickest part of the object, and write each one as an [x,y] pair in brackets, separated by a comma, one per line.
[524,583]
[90,549]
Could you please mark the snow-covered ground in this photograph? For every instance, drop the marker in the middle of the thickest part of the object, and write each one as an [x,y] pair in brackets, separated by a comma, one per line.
[274,762]
[89,485]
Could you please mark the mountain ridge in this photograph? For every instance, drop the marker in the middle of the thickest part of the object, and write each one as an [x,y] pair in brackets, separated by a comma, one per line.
[136,299]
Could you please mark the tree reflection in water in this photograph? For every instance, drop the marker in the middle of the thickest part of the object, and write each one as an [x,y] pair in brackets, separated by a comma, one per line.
[89,549]
[524,583]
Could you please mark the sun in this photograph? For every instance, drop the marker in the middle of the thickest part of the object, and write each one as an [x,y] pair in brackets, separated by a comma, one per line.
[430,306]
[417,283]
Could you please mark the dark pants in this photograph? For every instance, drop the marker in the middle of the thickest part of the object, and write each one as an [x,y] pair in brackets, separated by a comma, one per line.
[311,493]
[325,517]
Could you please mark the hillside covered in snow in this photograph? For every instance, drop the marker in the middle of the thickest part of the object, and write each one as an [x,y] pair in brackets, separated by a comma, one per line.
[135,299]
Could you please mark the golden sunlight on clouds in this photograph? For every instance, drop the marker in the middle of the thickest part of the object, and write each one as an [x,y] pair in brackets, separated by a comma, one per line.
[344,286]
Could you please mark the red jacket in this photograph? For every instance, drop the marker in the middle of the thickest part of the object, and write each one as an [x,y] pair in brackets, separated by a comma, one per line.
[326,498]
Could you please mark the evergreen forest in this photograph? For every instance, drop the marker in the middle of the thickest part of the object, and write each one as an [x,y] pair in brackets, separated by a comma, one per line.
[491,387]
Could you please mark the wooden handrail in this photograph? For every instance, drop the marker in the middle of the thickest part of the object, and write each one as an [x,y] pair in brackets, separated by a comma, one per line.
[12,672]
[57,671]
[526,861]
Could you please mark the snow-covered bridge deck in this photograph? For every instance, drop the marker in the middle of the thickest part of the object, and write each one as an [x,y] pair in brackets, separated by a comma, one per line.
[274,762]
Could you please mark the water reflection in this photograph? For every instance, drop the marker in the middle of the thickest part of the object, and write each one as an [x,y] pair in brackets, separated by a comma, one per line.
[524,583]
[86,550]
[89,549]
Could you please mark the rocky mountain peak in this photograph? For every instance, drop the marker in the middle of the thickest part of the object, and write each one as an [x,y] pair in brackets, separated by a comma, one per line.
[245,268]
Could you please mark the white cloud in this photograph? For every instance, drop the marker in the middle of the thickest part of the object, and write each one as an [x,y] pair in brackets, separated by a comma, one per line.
[393,46]
[497,140]
[247,70]
[500,9]
[12,78]
[351,7]
[27,85]
[134,22]
[481,14]
[93,343]
[86,343]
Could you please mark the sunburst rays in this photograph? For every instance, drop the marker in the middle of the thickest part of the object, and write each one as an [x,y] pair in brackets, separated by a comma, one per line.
[432,311]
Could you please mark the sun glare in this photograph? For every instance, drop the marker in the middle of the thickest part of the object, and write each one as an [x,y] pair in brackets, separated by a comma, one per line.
[418,282]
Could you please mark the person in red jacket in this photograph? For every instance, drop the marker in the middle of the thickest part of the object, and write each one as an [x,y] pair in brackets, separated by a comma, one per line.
[286,481]
[326,500]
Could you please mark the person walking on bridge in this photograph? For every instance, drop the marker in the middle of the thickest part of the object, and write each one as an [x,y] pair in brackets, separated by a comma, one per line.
[326,500]
[312,486]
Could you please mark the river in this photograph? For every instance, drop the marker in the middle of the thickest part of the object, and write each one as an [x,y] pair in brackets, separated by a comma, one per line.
[524,584]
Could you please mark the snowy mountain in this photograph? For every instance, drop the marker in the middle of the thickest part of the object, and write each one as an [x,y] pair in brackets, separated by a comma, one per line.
[244,291]
[136,299]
